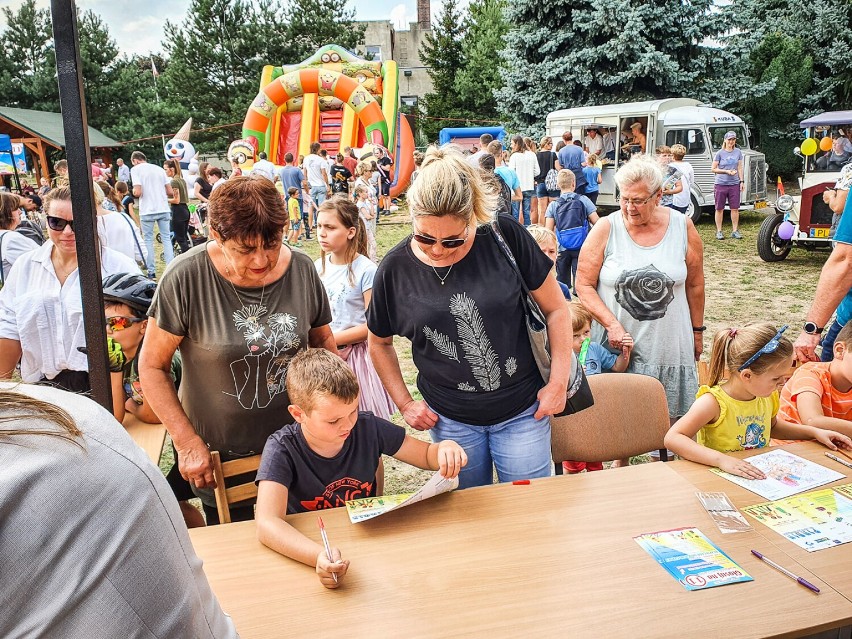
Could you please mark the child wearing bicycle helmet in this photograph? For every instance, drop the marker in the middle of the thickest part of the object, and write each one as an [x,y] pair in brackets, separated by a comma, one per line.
[127,297]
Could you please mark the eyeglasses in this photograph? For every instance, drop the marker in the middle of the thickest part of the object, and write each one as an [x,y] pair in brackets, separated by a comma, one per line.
[120,322]
[636,202]
[771,347]
[452,243]
[59,223]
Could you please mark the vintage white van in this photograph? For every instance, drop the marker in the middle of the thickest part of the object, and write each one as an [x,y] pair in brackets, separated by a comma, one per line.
[698,127]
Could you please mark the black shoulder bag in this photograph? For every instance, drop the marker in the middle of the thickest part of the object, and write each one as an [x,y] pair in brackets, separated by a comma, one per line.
[579,396]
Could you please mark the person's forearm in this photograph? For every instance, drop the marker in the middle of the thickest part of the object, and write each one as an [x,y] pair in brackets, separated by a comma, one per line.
[787,430]
[595,305]
[621,364]
[352,335]
[142,412]
[116,382]
[10,355]
[695,300]
[689,449]
[831,423]
[386,363]
[559,335]
[322,337]
[835,280]
[160,393]
[277,534]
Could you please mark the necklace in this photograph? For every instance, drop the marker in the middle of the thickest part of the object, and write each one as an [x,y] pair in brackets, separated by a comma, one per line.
[261,308]
[435,271]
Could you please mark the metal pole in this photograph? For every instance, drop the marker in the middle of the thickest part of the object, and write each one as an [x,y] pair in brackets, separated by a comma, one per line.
[75,123]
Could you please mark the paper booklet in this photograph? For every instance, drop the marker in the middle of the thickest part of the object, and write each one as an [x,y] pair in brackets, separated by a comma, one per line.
[813,521]
[786,475]
[692,559]
[363,509]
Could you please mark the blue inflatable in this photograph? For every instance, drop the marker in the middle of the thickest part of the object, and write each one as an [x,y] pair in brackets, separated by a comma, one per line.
[469,136]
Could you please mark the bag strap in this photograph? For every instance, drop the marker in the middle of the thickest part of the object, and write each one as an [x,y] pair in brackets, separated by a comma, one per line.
[507,252]
[2,276]
[135,239]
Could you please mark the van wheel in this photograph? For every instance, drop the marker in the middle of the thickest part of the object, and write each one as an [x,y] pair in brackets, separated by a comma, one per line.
[770,247]
[694,211]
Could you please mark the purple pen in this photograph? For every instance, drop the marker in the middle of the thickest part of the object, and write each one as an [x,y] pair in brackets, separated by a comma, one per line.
[801,580]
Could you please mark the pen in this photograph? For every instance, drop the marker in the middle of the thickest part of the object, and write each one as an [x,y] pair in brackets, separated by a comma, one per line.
[782,570]
[844,453]
[838,460]
[328,549]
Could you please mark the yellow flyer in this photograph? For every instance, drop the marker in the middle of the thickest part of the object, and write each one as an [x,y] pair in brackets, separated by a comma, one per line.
[363,509]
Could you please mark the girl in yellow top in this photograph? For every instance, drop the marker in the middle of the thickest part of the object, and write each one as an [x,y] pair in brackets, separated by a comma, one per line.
[738,410]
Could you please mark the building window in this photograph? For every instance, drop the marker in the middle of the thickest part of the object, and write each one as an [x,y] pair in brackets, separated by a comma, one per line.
[373,52]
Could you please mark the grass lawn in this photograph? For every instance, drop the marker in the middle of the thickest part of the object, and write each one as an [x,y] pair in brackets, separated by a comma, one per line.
[740,288]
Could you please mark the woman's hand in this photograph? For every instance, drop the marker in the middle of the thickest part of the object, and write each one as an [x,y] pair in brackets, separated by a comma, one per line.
[325,567]
[741,468]
[419,416]
[832,440]
[615,333]
[551,400]
[195,463]
[451,458]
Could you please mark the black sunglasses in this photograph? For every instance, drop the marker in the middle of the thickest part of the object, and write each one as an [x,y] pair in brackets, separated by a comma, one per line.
[59,223]
[455,242]
[771,347]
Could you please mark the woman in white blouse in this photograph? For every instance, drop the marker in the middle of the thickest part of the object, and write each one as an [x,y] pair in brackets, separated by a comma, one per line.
[525,163]
[12,244]
[41,308]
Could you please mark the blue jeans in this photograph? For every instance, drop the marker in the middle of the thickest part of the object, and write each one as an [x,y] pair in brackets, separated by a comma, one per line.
[525,203]
[519,448]
[164,226]
[827,343]
[319,194]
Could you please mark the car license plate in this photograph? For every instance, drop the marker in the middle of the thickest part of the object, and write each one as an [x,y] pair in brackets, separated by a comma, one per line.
[760,204]
[820,232]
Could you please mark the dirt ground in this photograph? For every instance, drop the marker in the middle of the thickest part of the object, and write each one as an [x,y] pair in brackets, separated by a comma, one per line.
[740,288]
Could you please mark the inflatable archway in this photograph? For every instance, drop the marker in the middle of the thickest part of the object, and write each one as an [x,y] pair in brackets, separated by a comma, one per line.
[333,97]
[314,81]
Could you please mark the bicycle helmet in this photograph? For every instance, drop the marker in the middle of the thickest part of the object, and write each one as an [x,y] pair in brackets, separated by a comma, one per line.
[132,289]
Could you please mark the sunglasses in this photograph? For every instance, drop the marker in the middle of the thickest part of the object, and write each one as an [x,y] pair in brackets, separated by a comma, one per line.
[770,347]
[455,242]
[58,223]
[120,322]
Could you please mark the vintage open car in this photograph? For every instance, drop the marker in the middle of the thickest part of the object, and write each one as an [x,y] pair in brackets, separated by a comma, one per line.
[804,221]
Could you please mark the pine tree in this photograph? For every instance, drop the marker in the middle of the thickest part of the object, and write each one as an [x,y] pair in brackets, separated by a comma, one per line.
[567,53]
[479,77]
[442,54]
[26,42]
[311,24]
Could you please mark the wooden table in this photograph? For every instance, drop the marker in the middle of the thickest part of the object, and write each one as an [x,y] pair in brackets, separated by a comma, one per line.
[834,565]
[553,558]
[149,437]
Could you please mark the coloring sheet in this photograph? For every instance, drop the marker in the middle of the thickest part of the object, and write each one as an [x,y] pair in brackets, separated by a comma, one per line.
[363,509]
[786,475]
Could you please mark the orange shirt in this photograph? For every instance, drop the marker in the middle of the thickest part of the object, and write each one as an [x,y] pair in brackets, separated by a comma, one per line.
[814,377]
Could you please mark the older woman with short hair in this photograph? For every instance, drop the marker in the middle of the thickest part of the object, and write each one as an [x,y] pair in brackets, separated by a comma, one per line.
[451,290]
[641,272]
[239,307]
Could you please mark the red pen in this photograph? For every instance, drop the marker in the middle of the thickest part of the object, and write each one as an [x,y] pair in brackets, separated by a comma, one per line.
[325,543]
[521,482]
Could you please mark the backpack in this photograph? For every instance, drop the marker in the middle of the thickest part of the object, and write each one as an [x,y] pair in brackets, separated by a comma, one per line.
[505,205]
[572,222]
[30,230]
[550,180]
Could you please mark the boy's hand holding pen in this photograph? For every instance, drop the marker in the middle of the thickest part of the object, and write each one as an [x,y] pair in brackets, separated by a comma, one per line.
[330,567]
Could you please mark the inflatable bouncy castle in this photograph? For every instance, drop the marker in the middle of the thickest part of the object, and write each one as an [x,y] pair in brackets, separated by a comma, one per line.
[334,98]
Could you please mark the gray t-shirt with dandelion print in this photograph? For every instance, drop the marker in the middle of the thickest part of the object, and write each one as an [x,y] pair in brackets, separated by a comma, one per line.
[468,335]
[236,348]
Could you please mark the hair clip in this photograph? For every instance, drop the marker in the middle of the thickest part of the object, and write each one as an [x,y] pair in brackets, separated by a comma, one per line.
[732,332]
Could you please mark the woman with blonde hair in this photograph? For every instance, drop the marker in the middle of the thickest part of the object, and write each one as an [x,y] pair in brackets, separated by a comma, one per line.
[452,291]
[12,245]
[547,162]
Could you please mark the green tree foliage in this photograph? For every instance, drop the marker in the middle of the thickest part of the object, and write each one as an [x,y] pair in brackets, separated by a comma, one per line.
[26,42]
[442,54]
[478,77]
[311,24]
[566,53]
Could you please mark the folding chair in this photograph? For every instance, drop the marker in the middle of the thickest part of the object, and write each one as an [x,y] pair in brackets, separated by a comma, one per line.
[630,417]
[227,496]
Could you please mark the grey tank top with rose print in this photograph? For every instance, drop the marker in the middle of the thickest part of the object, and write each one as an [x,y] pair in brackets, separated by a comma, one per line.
[645,288]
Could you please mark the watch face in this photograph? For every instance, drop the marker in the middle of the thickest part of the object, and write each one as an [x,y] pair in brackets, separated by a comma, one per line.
[812,329]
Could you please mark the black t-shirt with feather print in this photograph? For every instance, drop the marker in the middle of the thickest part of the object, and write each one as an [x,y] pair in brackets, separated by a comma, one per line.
[469,339]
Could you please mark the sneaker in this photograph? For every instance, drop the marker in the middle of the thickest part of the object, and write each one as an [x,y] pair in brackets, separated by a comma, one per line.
[737,235]
[297,245]
[720,235]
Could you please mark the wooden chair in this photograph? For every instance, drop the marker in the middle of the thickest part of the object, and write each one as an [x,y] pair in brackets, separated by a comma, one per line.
[630,417]
[227,496]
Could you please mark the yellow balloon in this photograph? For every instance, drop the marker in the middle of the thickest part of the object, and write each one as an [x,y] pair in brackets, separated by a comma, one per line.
[809,147]
[825,144]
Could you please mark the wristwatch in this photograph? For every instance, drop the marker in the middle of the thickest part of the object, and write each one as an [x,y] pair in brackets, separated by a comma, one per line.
[812,329]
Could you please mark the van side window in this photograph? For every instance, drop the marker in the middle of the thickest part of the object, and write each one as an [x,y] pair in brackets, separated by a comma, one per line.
[692,139]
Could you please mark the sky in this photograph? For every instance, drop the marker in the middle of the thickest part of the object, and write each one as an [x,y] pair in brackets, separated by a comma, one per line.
[137,26]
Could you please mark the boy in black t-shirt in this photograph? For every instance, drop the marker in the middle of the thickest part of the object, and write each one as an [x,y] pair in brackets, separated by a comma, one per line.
[330,455]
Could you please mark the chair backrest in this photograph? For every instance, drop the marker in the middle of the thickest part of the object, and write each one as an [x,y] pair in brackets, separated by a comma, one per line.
[227,496]
[630,417]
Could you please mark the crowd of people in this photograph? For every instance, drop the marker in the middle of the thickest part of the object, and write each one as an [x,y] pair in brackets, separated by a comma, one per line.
[246,346]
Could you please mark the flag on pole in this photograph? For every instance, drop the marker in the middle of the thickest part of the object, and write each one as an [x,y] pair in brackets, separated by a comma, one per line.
[780,186]
[154,69]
